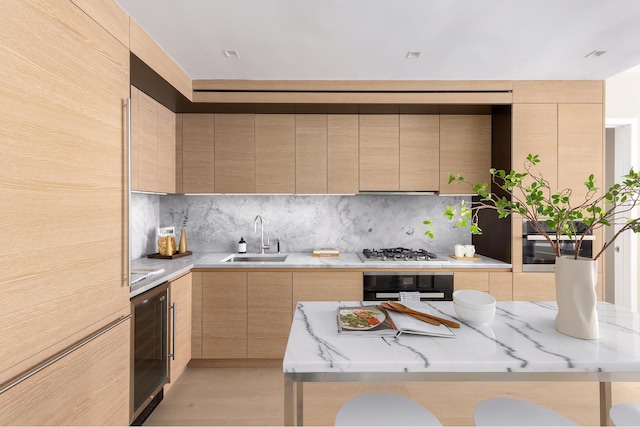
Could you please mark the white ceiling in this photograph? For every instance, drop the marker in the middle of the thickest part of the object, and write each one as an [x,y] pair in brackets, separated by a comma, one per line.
[369,39]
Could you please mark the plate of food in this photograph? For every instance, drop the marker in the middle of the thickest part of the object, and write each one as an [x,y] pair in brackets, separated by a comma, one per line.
[361,318]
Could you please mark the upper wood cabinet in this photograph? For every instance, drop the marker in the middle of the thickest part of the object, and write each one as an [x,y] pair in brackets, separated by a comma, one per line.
[342,153]
[465,149]
[419,152]
[153,145]
[198,153]
[311,153]
[275,151]
[379,152]
[234,144]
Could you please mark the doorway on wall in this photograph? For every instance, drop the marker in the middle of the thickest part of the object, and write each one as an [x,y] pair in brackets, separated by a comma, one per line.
[621,272]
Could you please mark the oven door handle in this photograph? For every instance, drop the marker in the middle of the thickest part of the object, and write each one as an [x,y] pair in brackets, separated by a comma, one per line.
[563,237]
[396,295]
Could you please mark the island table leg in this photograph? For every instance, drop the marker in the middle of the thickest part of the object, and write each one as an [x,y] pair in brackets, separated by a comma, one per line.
[605,403]
[293,403]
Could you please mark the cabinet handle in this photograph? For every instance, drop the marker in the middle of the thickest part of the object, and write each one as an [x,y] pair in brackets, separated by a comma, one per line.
[174,307]
[127,105]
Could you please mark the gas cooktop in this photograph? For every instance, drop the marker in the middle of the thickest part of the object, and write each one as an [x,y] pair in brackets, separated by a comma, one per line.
[398,254]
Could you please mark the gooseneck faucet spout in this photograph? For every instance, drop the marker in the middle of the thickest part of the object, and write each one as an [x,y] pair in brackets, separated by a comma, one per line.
[255,227]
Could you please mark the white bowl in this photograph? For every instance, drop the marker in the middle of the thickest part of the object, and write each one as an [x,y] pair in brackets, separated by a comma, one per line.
[476,300]
[474,316]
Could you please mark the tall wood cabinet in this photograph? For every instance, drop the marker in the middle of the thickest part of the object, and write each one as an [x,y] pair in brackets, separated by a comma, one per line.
[63,195]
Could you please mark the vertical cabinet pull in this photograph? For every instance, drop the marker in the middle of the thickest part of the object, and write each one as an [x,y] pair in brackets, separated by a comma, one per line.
[127,106]
[174,307]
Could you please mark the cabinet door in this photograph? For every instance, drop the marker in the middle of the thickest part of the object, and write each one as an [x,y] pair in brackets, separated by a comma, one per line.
[235,153]
[166,126]
[379,152]
[535,131]
[197,153]
[501,285]
[419,152]
[181,295]
[534,287]
[270,314]
[275,153]
[327,286]
[465,149]
[580,148]
[89,386]
[342,153]
[311,153]
[148,143]
[224,315]
[196,315]
[478,280]
[62,181]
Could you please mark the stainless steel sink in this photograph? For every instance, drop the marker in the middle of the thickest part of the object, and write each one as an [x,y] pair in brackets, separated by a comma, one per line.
[255,258]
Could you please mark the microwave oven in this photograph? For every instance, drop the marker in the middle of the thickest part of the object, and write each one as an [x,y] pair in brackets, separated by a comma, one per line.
[537,253]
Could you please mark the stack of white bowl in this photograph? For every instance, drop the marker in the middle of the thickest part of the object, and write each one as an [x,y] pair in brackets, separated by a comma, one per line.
[474,307]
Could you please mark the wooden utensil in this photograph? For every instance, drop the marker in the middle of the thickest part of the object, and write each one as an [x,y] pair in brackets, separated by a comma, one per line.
[404,309]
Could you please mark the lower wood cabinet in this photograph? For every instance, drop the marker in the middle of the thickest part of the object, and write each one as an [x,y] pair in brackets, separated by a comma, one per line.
[180,292]
[89,386]
[238,315]
[542,287]
[270,314]
[497,283]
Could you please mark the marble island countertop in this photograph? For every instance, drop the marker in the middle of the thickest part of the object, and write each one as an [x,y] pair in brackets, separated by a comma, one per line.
[152,271]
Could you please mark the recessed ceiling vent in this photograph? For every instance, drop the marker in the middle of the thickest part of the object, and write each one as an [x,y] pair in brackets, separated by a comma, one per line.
[413,55]
[595,53]
[231,53]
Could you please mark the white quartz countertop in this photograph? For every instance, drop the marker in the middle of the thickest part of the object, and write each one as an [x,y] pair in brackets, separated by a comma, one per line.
[169,269]
[520,339]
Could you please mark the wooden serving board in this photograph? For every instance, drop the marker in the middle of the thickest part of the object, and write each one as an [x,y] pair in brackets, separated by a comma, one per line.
[176,255]
[466,258]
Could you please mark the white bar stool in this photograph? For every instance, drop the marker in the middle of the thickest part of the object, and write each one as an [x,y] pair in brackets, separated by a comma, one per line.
[625,414]
[506,411]
[384,409]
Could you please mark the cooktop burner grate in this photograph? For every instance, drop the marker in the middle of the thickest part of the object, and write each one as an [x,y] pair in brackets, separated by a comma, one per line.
[398,254]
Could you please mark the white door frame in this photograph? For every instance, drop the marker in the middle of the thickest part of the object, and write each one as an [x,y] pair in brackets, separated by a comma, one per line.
[625,258]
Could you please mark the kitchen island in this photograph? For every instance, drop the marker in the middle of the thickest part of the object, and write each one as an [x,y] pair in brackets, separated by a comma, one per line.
[520,344]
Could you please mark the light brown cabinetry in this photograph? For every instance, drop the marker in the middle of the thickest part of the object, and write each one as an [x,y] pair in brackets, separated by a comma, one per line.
[465,149]
[153,145]
[379,152]
[224,315]
[311,153]
[180,292]
[327,286]
[87,387]
[198,153]
[196,314]
[496,283]
[419,152]
[342,153]
[534,287]
[62,171]
[275,148]
[269,314]
[234,167]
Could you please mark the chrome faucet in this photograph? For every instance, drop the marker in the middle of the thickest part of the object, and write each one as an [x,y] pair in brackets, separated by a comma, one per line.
[255,226]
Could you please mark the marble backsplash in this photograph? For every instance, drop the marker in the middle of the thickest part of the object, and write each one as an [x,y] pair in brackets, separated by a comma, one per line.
[301,223]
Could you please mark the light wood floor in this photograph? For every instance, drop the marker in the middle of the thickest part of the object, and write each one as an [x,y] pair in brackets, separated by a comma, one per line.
[254,397]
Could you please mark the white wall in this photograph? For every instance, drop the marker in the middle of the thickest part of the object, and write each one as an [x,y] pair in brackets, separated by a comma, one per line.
[623,101]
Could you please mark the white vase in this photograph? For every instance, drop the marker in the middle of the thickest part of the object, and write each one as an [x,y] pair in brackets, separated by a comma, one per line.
[576,297]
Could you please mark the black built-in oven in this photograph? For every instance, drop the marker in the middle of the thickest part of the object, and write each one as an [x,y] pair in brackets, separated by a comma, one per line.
[432,286]
[150,355]
[539,256]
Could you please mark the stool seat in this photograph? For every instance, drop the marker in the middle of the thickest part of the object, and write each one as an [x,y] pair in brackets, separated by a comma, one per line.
[625,414]
[506,411]
[384,409]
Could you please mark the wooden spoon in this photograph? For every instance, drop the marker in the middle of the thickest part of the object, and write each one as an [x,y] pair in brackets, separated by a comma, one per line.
[404,309]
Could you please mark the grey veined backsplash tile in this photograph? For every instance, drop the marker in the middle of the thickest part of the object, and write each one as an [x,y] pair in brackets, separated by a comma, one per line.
[350,223]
